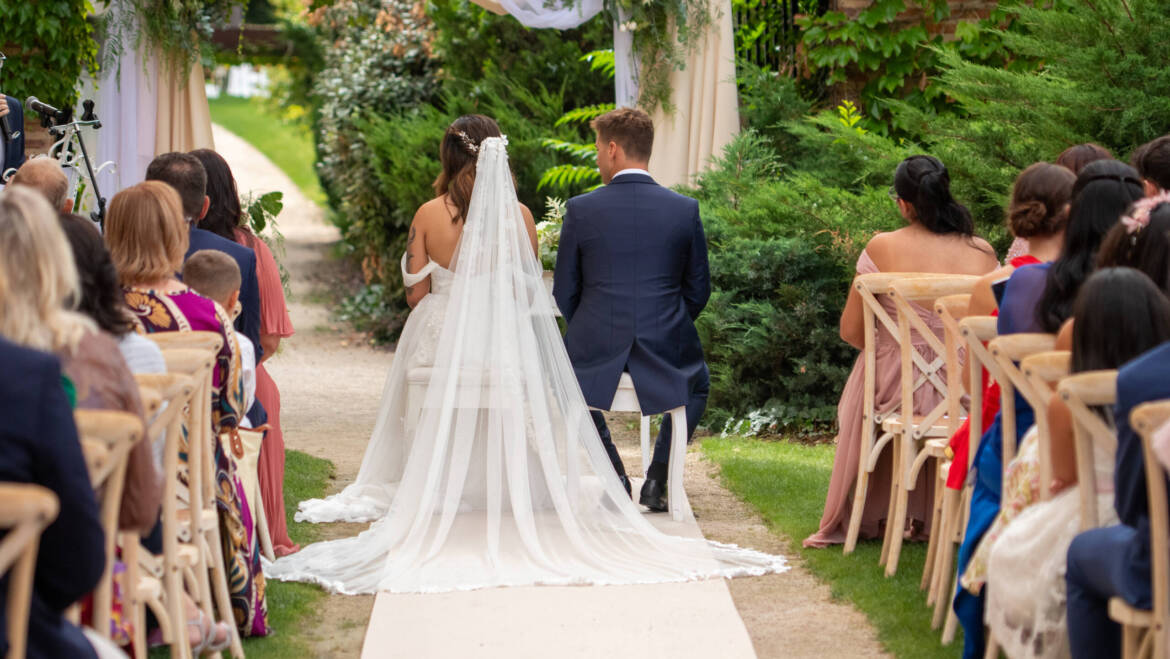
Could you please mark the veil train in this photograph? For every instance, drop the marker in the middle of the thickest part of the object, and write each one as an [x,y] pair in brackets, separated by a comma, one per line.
[491,473]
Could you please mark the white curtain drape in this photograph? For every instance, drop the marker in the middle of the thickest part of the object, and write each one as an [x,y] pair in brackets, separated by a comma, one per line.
[704,94]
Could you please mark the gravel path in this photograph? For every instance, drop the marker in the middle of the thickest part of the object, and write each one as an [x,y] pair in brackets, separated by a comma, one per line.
[331,382]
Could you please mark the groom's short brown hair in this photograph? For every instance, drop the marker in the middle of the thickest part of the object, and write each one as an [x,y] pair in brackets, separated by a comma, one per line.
[631,128]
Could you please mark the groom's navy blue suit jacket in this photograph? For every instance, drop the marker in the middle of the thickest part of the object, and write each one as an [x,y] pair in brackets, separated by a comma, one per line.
[631,278]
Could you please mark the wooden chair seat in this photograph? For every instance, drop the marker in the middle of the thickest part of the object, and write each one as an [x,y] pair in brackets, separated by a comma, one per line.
[1124,613]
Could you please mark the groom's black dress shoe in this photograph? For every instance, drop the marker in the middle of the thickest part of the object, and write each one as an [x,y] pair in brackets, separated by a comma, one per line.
[653,495]
[626,484]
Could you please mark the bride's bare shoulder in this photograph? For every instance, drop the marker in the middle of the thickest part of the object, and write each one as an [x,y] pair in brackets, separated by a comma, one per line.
[435,210]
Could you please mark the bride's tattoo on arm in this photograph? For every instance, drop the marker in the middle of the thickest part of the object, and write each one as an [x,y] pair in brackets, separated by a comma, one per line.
[409,242]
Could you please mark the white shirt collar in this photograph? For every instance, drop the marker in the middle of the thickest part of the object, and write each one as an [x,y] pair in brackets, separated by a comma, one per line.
[632,170]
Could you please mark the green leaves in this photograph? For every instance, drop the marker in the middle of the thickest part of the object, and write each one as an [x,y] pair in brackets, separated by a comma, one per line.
[52,42]
[263,210]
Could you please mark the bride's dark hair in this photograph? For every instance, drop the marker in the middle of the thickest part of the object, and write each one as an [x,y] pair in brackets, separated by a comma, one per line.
[458,153]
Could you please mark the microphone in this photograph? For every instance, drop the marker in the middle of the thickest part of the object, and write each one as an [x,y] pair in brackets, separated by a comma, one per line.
[45,109]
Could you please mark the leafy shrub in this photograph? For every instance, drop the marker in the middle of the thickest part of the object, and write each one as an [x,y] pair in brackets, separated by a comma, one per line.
[782,251]
[51,43]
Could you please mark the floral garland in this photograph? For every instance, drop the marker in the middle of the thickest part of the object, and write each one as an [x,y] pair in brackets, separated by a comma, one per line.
[180,30]
[665,33]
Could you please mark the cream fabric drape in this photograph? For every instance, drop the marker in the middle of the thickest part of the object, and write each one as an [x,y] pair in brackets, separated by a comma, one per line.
[706,107]
[184,119]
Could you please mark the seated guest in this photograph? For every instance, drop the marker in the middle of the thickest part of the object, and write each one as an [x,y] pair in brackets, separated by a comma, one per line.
[186,175]
[1152,161]
[1039,213]
[1120,314]
[226,218]
[36,255]
[1073,159]
[1078,156]
[940,238]
[101,296]
[147,237]
[1039,298]
[1114,561]
[45,175]
[39,444]
[214,275]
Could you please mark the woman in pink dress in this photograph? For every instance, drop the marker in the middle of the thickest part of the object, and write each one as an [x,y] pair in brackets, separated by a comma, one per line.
[226,218]
[939,238]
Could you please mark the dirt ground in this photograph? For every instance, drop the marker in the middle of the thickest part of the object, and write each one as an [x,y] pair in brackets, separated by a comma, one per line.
[331,383]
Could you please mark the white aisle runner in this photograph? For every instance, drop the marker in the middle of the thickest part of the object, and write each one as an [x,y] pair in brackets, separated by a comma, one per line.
[678,620]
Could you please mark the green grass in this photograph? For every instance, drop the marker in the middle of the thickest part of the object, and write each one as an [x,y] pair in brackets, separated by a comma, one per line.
[288,144]
[787,482]
[292,605]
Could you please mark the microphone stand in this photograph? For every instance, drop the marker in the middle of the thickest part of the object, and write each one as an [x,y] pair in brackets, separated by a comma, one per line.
[67,131]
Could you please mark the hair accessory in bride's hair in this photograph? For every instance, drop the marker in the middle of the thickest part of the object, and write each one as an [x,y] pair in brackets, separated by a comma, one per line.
[471,147]
[1138,218]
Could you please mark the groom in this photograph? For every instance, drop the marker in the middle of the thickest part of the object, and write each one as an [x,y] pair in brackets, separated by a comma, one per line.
[631,278]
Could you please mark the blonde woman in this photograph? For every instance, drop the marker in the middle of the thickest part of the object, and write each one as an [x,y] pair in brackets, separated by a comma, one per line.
[42,285]
[147,237]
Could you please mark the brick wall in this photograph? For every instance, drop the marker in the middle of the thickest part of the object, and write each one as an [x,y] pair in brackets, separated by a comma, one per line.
[961,10]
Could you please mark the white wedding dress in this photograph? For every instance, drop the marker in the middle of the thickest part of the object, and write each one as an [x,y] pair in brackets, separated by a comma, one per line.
[484,468]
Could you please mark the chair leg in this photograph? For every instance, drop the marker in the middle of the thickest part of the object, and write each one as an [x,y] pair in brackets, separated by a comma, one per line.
[946,554]
[174,587]
[932,545]
[1129,642]
[677,498]
[951,626]
[992,649]
[218,575]
[892,526]
[860,490]
[898,523]
[644,435]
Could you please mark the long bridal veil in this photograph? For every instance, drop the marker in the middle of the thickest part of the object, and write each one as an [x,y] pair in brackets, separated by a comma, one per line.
[493,470]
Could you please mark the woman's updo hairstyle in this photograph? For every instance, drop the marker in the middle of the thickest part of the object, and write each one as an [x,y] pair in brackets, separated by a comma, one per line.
[924,183]
[1103,192]
[458,153]
[1040,200]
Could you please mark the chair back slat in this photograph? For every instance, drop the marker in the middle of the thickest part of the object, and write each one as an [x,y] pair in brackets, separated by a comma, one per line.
[977,331]
[1043,371]
[118,432]
[951,309]
[26,510]
[1008,351]
[1082,392]
[1146,419]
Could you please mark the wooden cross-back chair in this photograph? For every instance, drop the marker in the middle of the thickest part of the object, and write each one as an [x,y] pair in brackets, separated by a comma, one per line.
[25,511]
[1044,371]
[1008,351]
[116,432]
[1143,631]
[200,519]
[936,576]
[921,438]
[157,581]
[1081,393]
[871,287]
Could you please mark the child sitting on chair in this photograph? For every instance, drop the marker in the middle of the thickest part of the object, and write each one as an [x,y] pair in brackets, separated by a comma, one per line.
[215,276]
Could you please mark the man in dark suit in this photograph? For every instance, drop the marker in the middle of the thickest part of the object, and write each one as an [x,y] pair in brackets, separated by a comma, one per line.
[631,279]
[1114,561]
[39,444]
[12,148]
[184,173]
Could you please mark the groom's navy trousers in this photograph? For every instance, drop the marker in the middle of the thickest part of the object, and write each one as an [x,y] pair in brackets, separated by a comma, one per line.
[631,278]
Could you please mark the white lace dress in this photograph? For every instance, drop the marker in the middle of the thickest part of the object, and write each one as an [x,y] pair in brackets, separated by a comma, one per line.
[1025,570]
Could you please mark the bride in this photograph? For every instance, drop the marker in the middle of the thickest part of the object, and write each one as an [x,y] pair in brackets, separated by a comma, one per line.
[484,468]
